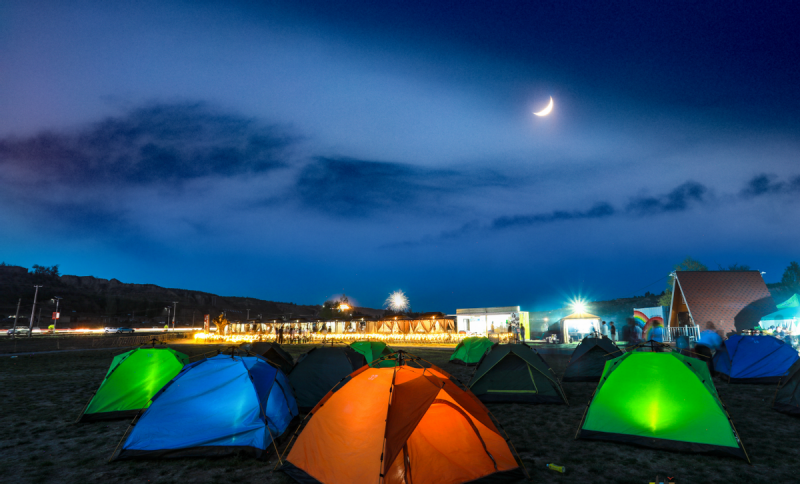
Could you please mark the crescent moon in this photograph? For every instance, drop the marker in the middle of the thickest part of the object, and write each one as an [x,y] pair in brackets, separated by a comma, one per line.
[546,111]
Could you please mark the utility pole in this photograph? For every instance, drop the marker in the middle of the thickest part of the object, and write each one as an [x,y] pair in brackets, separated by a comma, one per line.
[33,311]
[56,315]
[174,313]
[14,331]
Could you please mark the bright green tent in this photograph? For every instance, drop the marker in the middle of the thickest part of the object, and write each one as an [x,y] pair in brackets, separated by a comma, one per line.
[515,373]
[372,350]
[660,400]
[792,302]
[470,350]
[132,380]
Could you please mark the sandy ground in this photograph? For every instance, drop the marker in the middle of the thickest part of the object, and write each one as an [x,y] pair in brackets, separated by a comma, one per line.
[42,396]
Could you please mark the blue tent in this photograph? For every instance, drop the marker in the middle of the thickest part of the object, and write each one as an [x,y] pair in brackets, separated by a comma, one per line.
[754,359]
[215,406]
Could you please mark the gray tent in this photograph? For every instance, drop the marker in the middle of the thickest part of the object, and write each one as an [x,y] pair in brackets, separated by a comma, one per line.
[319,370]
[589,359]
[515,373]
[787,398]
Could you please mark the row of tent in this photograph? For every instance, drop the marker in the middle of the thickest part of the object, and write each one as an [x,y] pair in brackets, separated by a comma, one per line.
[247,403]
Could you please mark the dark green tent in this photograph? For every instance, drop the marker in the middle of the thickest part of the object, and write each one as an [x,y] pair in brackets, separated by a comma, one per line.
[515,373]
[132,380]
[273,353]
[589,359]
[317,371]
[660,400]
[470,350]
[787,398]
[373,350]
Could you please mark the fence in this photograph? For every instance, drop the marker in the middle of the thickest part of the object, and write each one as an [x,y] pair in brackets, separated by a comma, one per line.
[135,340]
[693,332]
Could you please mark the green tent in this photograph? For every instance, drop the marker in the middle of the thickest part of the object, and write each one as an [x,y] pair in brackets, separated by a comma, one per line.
[660,400]
[792,302]
[372,350]
[470,350]
[132,380]
[515,373]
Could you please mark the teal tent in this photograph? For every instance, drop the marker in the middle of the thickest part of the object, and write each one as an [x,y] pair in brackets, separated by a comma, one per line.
[792,302]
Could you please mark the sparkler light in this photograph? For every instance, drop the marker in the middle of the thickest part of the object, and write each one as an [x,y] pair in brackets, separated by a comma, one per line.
[397,301]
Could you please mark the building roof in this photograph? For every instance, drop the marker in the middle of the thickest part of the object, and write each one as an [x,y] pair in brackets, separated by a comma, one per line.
[503,309]
[731,300]
[581,316]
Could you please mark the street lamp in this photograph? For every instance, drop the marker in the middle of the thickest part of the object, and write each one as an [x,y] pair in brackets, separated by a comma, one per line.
[168,310]
[55,314]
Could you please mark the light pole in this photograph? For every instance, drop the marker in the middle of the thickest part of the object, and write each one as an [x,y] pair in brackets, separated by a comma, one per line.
[56,315]
[33,311]
[168,310]
[14,330]
[174,313]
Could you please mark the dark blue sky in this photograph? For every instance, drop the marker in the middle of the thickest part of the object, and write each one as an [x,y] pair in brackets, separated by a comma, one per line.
[294,150]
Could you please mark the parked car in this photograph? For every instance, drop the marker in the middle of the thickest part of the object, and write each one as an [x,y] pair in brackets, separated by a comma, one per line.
[20,330]
[125,330]
[110,330]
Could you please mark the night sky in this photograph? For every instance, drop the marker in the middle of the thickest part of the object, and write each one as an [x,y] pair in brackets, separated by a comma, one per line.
[293,150]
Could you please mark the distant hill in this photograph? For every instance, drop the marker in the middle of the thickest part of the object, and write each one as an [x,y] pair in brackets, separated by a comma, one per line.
[92,301]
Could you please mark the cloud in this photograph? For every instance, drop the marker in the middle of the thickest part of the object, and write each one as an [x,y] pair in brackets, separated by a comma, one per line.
[156,143]
[765,184]
[599,210]
[351,187]
[678,200]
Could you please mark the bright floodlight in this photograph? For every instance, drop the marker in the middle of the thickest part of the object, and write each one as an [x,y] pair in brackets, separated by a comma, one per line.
[397,302]
[579,306]
[343,307]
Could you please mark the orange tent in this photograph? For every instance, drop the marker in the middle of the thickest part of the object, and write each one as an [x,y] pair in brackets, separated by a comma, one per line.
[401,425]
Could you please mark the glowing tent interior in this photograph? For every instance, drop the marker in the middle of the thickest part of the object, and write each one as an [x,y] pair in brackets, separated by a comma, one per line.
[399,425]
[660,400]
[515,373]
[132,380]
[216,406]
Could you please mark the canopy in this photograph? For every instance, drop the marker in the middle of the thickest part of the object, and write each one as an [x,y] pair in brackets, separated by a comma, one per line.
[470,350]
[787,398]
[589,359]
[319,370]
[754,359]
[397,423]
[216,406]
[372,350]
[792,302]
[515,373]
[274,353]
[132,380]
[789,315]
[660,400]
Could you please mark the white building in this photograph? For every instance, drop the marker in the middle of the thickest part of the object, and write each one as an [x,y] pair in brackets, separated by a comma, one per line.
[481,321]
